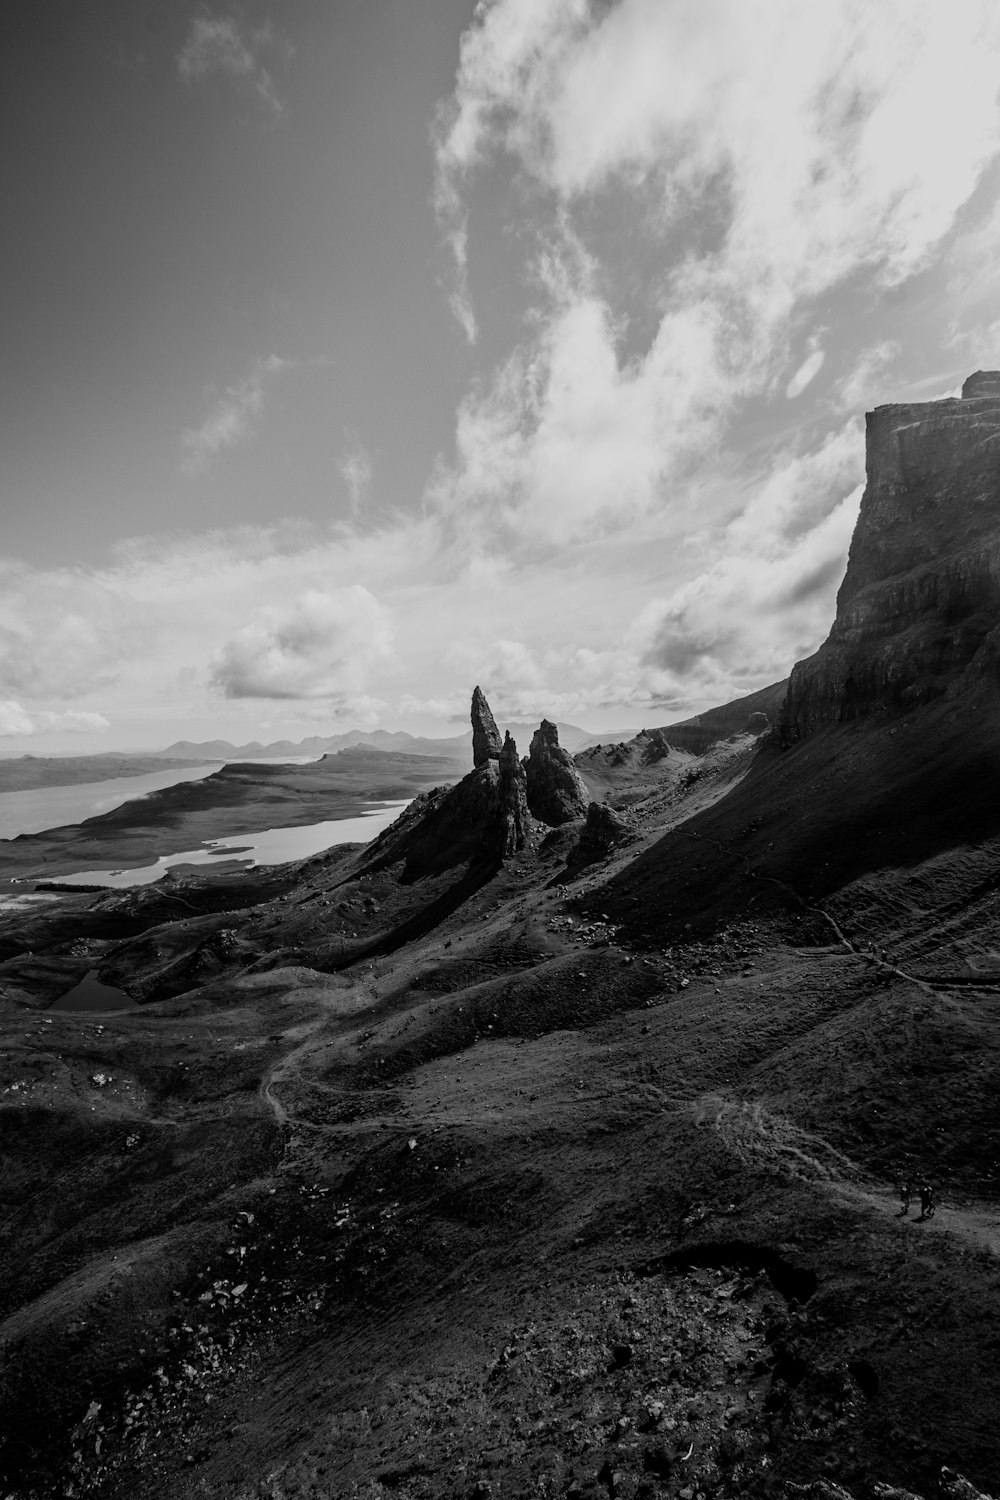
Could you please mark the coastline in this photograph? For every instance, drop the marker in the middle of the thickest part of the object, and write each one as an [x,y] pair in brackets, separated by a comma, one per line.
[239,800]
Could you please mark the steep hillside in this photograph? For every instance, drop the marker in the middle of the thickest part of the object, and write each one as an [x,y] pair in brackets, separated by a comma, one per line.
[525,1152]
[741,716]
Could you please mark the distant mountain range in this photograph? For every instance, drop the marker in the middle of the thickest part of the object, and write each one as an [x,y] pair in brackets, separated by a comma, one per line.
[457,748]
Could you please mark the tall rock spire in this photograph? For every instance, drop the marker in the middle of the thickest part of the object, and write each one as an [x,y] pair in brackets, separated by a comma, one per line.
[510,820]
[486,743]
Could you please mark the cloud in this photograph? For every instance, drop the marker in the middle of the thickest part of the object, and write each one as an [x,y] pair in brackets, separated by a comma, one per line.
[819,116]
[355,467]
[64,633]
[766,155]
[805,374]
[320,646]
[225,45]
[769,598]
[565,442]
[16,720]
[867,383]
[232,419]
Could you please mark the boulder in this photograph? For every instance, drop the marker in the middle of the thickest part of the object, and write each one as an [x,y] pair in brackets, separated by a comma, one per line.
[486,743]
[556,791]
[603,831]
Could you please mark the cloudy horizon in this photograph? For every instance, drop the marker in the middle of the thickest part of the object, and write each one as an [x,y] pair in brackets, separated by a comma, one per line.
[359,354]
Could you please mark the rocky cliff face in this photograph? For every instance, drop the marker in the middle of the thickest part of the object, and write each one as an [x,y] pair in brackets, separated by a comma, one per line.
[918,613]
[556,791]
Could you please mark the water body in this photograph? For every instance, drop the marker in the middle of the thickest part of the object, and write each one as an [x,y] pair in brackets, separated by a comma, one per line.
[272,846]
[91,994]
[57,806]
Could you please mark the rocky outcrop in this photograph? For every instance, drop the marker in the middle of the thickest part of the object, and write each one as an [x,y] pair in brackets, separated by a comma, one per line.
[603,831]
[508,829]
[918,612]
[556,791]
[486,743]
[983,383]
[484,817]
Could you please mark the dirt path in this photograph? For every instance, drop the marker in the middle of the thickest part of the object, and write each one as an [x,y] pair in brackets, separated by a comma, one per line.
[928,983]
[282,1066]
[767,1139]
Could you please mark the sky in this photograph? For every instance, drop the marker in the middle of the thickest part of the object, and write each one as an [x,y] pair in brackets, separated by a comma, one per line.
[360,351]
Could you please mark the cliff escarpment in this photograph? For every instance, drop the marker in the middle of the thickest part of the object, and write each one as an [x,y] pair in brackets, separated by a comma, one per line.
[918,612]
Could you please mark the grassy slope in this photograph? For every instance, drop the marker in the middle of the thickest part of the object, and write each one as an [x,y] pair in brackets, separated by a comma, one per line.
[736,1091]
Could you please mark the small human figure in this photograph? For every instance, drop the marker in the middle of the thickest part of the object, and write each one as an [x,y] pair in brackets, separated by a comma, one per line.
[885,957]
[905,1192]
[926,1201]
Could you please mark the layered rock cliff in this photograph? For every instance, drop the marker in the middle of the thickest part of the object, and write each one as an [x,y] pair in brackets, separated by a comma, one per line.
[557,792]
[918,612]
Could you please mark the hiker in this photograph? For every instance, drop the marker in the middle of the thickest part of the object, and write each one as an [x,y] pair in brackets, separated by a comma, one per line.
[905,1192]
[927,1204]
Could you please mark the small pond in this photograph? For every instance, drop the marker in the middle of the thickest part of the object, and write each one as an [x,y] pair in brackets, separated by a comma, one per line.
[91,994]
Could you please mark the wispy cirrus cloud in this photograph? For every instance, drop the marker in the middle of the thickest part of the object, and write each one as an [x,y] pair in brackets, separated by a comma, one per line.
[232,418]
[227,45]
[356,470]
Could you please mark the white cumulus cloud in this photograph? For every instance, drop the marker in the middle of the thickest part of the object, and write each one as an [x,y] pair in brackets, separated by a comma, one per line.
[16,720]
[770,596]
[65,633]
[322,645]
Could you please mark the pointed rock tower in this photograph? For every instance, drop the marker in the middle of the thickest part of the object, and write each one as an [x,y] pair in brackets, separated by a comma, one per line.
[510,821]
[486,744]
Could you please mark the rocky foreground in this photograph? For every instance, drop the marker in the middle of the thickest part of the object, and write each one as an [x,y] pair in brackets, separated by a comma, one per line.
[550,1144]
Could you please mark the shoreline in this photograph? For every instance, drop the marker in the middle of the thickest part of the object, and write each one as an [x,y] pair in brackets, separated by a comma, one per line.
[240,802]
